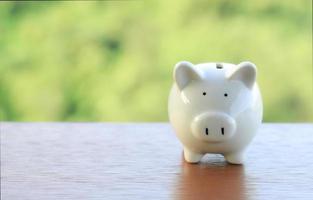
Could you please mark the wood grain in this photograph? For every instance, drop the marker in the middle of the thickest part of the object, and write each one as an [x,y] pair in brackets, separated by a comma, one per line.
[144,161]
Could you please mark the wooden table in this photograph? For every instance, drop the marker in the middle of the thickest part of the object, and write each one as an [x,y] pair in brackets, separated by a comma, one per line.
[144,161]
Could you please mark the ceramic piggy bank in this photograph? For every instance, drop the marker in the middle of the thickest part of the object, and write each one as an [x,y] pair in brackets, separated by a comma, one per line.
[215,108]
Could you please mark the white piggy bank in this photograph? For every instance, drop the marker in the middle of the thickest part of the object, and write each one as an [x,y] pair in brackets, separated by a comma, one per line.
[215,108]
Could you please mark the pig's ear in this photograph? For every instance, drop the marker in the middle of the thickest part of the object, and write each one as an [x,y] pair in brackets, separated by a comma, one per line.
[244,72]
[184,73]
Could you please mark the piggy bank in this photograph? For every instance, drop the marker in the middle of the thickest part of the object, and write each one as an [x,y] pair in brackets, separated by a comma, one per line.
[215,108]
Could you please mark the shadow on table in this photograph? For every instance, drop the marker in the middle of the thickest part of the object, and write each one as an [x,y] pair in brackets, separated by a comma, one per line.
[213,178]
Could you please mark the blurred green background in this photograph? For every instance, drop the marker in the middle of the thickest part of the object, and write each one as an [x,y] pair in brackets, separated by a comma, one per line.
[113,61]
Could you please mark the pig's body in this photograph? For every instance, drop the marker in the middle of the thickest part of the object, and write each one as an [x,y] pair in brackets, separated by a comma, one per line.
[215,108]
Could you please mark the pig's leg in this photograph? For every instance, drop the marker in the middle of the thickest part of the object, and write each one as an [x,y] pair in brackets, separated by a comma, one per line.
[192,157]
[234,157]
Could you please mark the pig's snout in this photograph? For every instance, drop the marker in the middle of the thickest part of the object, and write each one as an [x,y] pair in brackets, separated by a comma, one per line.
[213,126]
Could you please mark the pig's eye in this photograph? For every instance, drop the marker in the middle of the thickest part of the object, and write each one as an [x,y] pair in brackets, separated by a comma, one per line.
[225,94]
[204,93]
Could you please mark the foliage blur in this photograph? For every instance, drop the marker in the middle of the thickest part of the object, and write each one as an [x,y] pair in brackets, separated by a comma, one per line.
[113,61]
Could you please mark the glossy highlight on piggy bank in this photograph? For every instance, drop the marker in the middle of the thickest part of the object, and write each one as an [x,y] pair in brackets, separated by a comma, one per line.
[215,108]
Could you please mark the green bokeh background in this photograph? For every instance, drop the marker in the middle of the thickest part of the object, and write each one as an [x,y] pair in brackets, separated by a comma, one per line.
[113,61]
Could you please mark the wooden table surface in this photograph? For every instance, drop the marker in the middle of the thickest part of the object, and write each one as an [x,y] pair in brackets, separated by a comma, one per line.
[144,161]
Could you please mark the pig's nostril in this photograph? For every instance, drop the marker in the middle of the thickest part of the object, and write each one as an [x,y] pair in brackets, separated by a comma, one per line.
[222,129]
[206,131]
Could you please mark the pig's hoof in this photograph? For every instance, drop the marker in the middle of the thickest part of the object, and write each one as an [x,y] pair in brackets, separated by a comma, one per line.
[234,158]
[192,157]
